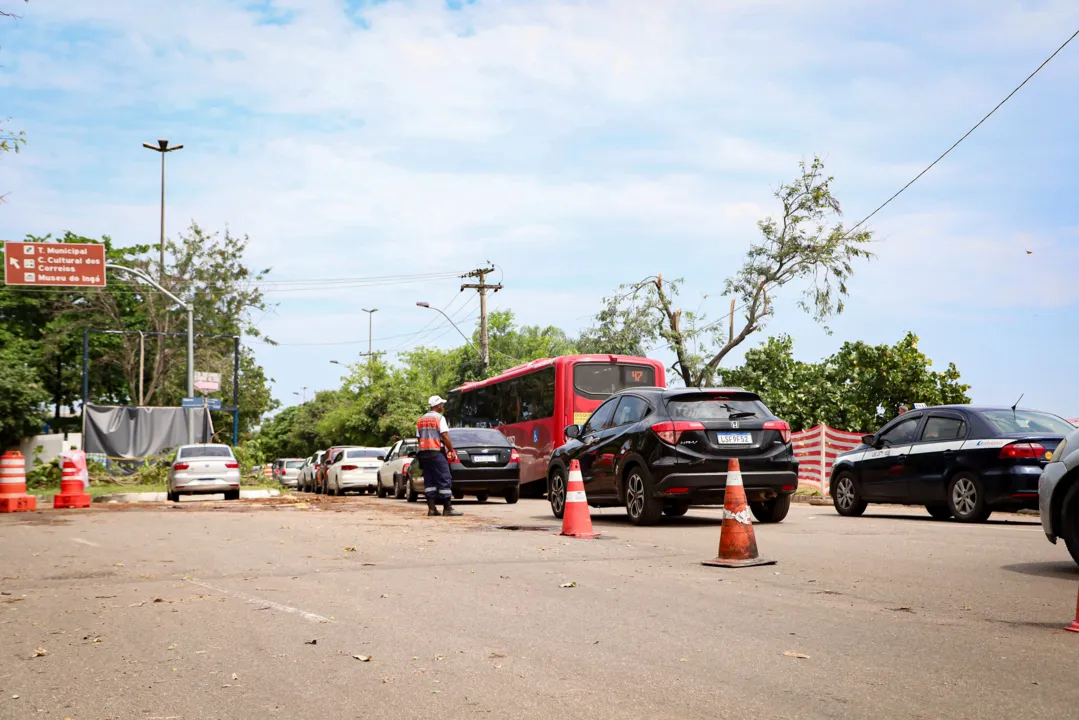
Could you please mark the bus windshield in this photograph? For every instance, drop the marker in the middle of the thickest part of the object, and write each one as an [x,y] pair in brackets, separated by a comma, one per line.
[599,380]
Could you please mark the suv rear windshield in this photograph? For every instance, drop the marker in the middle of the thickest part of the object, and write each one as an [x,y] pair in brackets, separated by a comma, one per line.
[715,407]
[1022,421]
[478,436]
[207,451]
[364,453]
[599,380]
[294,463]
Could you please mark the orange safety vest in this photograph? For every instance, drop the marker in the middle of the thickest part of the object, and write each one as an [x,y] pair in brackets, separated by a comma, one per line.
[427,430]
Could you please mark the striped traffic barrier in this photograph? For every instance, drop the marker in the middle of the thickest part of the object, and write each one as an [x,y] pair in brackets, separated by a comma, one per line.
[13,497]
[72,491]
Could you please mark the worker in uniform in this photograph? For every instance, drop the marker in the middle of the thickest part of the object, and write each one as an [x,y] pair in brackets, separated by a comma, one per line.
[435,455]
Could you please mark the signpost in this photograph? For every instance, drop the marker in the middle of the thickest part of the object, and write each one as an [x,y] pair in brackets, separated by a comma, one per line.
[207,381]
[36,264]
[194,403]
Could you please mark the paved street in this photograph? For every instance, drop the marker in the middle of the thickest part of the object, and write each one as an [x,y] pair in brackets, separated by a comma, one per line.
[257,609]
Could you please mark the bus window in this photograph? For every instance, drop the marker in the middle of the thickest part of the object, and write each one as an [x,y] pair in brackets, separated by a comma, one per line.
[599,380]
[537,395]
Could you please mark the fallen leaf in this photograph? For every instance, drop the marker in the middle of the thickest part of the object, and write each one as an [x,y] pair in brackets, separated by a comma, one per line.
[568,585]
[902,609]
[350,549]
[797,655]
[159,600]
[200,652]
[496,655]
[363,658]
[235,676]
[14,697]
[682,660]
[96,597]
[384,595]
[118,565]
[40,652]
[311,642]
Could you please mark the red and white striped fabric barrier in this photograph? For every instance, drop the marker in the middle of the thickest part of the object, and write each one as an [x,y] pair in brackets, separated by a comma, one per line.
[816,450]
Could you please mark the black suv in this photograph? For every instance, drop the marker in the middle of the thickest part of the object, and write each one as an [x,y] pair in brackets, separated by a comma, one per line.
[659,451]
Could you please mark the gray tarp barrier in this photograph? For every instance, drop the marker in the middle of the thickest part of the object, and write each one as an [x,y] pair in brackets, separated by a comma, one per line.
[139,432]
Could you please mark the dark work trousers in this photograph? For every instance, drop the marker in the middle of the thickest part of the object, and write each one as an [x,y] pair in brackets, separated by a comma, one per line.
[436,475]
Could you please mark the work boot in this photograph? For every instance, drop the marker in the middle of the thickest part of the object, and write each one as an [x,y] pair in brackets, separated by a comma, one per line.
[432,507]
[448,511]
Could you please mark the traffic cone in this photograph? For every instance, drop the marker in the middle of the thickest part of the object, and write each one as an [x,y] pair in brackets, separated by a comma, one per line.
[13,497]
[1074,627]
[576,520]
[737,544]
[71,493]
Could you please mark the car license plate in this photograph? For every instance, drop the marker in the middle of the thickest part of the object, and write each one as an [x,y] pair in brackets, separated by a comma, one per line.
[371,467]
[734,438]
[485,458]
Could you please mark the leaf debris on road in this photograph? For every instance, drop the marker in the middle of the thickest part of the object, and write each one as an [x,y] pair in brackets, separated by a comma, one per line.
[796,655]
[40,652]
[363,658]
[311,642]
[568,585]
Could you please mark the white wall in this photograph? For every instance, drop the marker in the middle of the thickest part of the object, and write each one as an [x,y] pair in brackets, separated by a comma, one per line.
[52,446]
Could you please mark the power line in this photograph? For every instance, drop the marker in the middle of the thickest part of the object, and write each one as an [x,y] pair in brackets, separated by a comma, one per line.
[929,167]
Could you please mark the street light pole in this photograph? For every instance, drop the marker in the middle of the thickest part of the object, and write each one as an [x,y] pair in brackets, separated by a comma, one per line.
[190,338]
[370,346]
[428,305]
[162,147]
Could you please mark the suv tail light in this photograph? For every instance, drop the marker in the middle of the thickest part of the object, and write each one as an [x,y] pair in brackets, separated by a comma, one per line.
[515,457]
[234,465]
[180,466]
[350,467]
[782,426]
[405,467]
[1019,450]
[671,432]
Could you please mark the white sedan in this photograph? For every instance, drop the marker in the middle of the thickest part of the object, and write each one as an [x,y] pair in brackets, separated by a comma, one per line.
[204,469]
[355,469]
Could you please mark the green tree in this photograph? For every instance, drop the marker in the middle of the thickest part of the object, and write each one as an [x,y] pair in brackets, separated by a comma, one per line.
[806,245]
[859,388]
[22,397]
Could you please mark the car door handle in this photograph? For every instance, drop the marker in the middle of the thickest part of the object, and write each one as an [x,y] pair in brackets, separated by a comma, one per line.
[900,458]
[948,453]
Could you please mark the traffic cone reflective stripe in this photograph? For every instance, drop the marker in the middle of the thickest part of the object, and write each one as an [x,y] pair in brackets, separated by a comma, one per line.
[1074,627]
[71,493]
[13,497]
[737,542]
[576,519]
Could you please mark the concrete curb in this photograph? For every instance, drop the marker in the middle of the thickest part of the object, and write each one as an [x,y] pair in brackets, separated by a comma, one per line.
[143,497]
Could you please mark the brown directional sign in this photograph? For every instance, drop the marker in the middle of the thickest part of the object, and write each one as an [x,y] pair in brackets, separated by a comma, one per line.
[54,264]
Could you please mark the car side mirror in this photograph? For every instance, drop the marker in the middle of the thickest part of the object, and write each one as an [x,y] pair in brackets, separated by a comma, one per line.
[572,431]
[869,440]
[381,457]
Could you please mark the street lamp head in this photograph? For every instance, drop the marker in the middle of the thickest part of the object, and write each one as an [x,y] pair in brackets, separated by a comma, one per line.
[148,146]
[163,144]
[421,303]
[176,147]
[369,311]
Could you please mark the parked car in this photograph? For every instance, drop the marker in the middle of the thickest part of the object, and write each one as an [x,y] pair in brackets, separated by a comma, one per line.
[487,464]
[287,471]
[324,468]
[354,469]
[311,472]
[659,452]
[1058,494]
[958,461]
[392,474]
[204,469]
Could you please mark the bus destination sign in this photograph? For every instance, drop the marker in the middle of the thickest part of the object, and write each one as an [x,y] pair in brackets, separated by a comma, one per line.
[54,264]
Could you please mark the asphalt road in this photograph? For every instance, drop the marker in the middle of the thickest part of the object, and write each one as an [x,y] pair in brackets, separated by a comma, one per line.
[258,609]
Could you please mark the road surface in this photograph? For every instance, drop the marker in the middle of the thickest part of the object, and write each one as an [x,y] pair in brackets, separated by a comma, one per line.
[259,609]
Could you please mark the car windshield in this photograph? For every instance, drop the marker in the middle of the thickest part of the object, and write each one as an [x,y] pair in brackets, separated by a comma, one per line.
[206,451]
[1022,421]
[294,463]
[714,407]
[478,436]
[364,453]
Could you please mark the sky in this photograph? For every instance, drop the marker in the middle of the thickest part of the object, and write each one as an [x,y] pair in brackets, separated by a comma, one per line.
[576,145]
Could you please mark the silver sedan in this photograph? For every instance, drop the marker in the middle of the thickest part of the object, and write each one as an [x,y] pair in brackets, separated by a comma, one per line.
[204,469]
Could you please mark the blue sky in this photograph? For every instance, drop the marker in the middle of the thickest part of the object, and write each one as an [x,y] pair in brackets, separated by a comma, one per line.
[578,145]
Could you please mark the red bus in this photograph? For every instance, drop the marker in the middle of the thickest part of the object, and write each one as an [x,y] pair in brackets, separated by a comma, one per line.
[531,404]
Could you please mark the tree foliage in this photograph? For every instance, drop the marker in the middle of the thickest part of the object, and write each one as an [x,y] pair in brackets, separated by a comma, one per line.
[807,245]
[859,388]
[22,395]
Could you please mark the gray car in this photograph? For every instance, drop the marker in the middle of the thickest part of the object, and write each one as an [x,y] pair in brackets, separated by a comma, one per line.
[202,470]
[1058,495]
[287,471]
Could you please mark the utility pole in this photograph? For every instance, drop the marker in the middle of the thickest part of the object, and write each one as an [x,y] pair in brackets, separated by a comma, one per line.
[370,346]
[482,287]
[162,147]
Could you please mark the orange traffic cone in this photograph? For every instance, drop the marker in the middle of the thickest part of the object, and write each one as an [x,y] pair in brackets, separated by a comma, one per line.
[13,497]
[72,492]
[737,544]
[1074,627]
[576,520]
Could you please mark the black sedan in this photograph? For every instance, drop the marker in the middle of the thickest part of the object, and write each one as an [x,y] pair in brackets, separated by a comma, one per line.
[486,465]
[958,461]
[659,452]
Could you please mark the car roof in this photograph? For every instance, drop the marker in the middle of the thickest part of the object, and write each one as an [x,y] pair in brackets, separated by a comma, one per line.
[203,445]
[675,392]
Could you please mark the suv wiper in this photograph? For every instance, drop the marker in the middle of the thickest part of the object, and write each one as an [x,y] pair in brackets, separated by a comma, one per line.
[744,414]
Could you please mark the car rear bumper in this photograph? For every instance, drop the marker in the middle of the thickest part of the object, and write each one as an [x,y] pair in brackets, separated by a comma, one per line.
[1013,488]
[357,480]
[207,486]
[708,488]
[1050,478]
